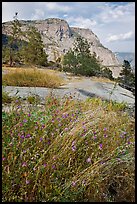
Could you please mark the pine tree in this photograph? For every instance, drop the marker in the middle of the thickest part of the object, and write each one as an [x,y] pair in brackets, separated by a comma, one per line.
[127,77]
[80,61]
[14,41]
[33,51]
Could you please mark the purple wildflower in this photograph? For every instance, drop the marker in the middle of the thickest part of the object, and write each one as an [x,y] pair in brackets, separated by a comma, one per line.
[22,136]
[88,160]
[24,120]
[17,101]
[95,137]
[73,148]
[18,107]
[27,181]
[43,126]
[44,164]
[28,135]
[20,124]
[124,133]
[100,146]
[63,116]
[122,136]
[105,129]
[3,158]
[94,133]
[34,169]
[53,166]
[24,164]
[73,183]
[29,115]
[41,139]
[73,143]
[105,135]
[66,129]
[102,162]
[49,142]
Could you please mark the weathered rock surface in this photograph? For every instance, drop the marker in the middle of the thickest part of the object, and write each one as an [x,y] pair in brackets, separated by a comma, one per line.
[81,89]
[58,37]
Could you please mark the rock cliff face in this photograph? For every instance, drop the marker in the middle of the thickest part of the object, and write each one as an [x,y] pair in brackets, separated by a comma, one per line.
[58,37]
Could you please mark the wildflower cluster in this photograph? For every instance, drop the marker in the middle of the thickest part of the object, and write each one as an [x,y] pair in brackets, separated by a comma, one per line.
[67,151]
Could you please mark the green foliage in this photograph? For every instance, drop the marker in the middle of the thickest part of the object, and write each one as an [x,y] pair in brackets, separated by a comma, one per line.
[127,77]
[33,99]
[6,98]
[11,51]
[80,61]
[33,52]
[106,72]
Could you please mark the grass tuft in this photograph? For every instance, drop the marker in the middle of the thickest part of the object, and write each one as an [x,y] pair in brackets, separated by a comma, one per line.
[31,78]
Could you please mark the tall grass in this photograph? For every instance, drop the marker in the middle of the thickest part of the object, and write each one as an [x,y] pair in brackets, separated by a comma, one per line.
[31,78]
[68,151]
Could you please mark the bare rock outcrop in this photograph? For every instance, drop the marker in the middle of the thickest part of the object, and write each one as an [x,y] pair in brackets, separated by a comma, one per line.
[58,37]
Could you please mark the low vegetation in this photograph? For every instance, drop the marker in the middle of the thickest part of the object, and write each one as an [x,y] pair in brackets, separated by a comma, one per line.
[68,151]
[31,78]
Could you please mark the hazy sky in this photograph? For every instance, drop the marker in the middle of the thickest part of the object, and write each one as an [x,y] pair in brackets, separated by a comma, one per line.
[112,22]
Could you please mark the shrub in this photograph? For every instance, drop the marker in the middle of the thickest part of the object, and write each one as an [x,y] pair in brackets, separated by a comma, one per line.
[6,98]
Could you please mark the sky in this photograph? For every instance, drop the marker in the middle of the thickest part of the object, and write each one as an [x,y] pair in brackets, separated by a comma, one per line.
[112,22]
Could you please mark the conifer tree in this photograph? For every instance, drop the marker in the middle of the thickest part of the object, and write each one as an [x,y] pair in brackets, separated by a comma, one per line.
[127,77]
[33,51]
[14,40]
[80,61]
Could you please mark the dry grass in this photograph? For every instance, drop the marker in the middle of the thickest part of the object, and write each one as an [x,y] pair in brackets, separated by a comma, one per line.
[31,77]
[102,79]
[69,151]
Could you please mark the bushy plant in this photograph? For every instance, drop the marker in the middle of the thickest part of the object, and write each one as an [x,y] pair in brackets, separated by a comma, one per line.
[6,98]
[106,72]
